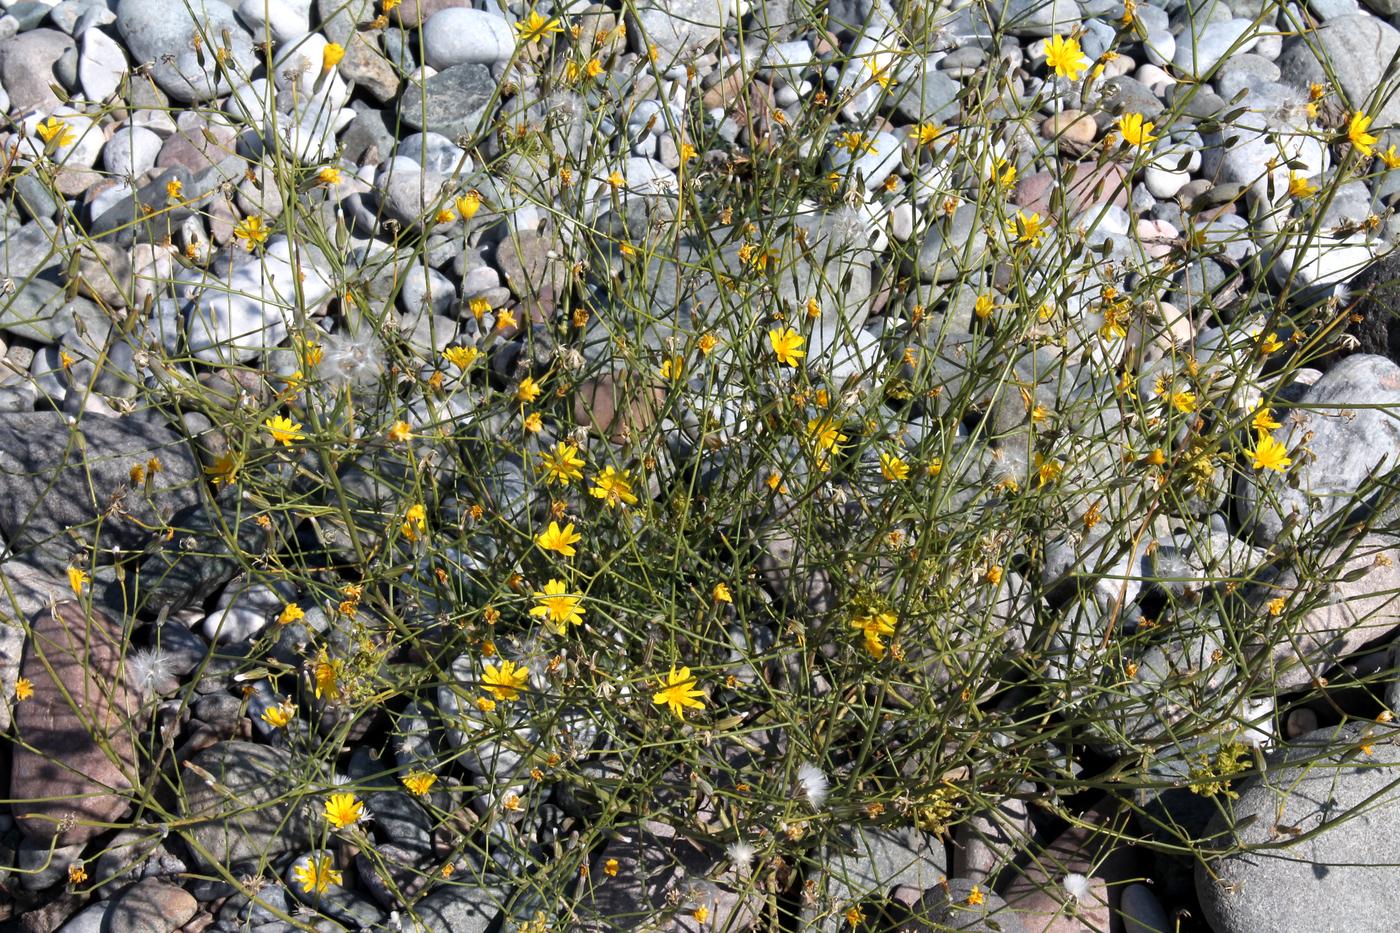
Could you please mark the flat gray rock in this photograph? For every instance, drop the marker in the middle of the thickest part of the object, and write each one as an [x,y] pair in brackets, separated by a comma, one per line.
[1351,436]
[60,480]
[1340,805]
[452,102]
[245,815]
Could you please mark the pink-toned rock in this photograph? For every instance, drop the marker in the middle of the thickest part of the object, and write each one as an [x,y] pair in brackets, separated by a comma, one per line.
[413,13]
[1157,237]
[1084,186]
[1039,897]
[619,409]
[74,756]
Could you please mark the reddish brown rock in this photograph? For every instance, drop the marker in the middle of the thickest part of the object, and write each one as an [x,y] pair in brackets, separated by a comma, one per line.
[1084,186]
[619,408]
[74,756]
[1038,896]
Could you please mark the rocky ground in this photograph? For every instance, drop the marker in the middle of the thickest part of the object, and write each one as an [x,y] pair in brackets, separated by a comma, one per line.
[302,300]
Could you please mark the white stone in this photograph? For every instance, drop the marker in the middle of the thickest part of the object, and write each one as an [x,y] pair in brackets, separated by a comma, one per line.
[250,310]
[1325,262]
[101,66]
[460,36]
[874,165]
[132,150]
[1197,56]
[282,19]
[1164,183]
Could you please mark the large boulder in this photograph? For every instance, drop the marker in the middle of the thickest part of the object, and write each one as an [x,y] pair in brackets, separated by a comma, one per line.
[74,759]
[67,487]
[1314,840]
[239,807]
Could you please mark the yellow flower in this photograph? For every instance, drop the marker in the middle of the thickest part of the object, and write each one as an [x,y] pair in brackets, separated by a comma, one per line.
[561,466]
[24,689]
[1270,343]
[983,306]
[528,390]
[77,874]
[77,579]
[330,175]
[1026,229]
[280,715]
[855,143]
[53,129]
[1390,158]
[284,430]
[316,875]
[616,180]
[505,682]
[826,434]
[1356,132]
[721,594]
[873,626]
[1299,187]
[882,76]
[326,675]
[594,68]
[560,540]
[707,342]
[174,188]
[1276,605]
[557,606]
[290,613]
[687,152]
[610,867]
[461,357]
[222,470]
[415,521]
[1263,420]
[1269,454]
[534,422]
[468,204]
[672,367]
[1135,131]
[993,575]
[613,488]
[893,469]
[1004,173]
[975,896]
[926,134]
[504,319]
[419,782]
[331,55]
[1065,57]
[679,693]
[252,231]
[399,432]
[787,345]
[536,28]
[343,810]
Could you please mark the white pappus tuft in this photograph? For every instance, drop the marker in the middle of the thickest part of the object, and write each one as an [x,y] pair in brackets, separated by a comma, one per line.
[813,783]
[741,855]
[147,671]
[1076,886]
[352,360]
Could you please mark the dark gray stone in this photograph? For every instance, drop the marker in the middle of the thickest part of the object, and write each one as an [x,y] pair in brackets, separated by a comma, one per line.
[246,816]
[1322,831]
[60,479]
[191,566]
[452,102]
